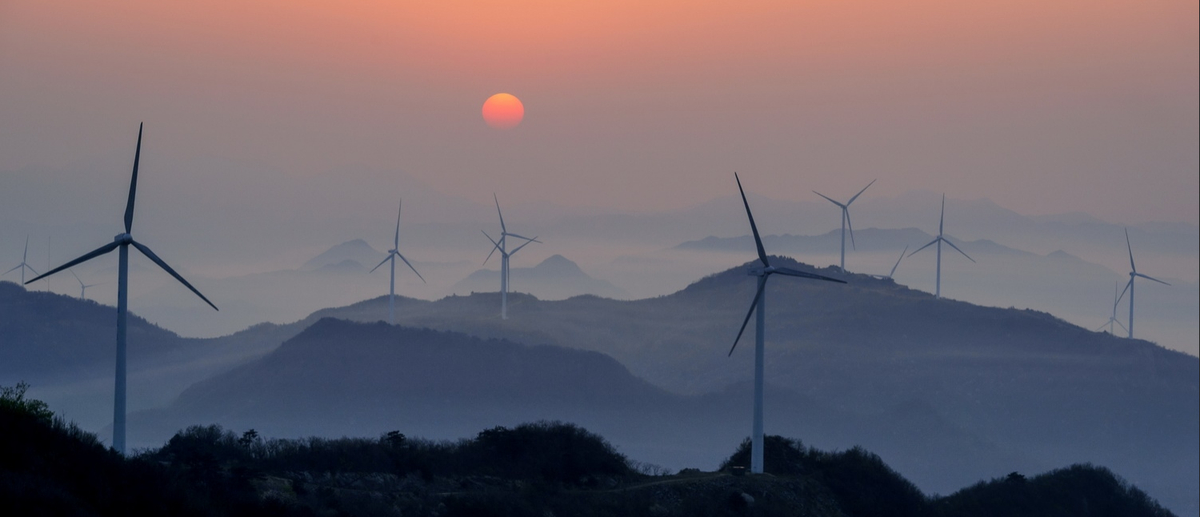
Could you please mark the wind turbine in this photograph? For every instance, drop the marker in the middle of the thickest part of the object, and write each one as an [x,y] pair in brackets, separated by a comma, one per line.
[756,451]
[122,242]
[939,240]
[392,254]
[846,220]
[1113,317]
[502,246]
[890,275]
[1133,273]
[82,287]
[24,263]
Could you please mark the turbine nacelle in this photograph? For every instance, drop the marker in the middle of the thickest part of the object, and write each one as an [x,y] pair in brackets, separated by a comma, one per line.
[760,271]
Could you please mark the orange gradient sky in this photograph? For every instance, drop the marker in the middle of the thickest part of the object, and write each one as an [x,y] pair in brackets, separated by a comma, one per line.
[1044,107]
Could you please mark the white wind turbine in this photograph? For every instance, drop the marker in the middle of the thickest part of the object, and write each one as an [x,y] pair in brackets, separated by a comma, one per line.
[756,440]
[505,253]
[24,263]
[1133,273]
[82,286]
[122,242]
[939,240]
[846,220]
[1112,318]
[392,254]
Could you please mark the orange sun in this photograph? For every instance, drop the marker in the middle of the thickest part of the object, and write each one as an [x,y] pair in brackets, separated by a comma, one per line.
[503,111]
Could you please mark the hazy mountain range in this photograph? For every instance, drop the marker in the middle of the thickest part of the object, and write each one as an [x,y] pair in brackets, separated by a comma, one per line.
[942,389]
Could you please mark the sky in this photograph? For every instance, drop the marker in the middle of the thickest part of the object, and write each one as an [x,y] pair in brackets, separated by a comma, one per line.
[1042,107]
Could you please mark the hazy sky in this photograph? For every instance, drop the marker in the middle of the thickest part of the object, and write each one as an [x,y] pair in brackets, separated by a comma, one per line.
[1044,107]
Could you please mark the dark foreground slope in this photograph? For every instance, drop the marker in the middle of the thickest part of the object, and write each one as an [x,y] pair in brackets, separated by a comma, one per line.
[545,468]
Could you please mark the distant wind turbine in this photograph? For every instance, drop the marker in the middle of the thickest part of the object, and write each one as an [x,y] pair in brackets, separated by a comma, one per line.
[1112,318]
[939,240]
[24,263]
[502,246]
[122,242]
[1133,274]
[893,273]
[756,451]
[82,287]
[392,254]
[846,220]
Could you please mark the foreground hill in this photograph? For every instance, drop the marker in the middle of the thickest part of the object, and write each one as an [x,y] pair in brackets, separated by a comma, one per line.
[545,468]
[1023,384]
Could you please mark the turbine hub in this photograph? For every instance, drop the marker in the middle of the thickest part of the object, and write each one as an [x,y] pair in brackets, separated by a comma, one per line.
[123,238]
[760,271]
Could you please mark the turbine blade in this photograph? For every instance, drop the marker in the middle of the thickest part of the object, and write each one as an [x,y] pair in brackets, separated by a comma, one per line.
[1118,322]
[942,218]
[18,266]
[846,211]
[410,266]
[150,255]
[958,250]
[76,276]
[762,254]
[829,198]
[1101,327]
[1123,291]
[522,246]
[792,272]
[861,191]
[137,158]
[389,257]
[35,271]
[495,246]
[898,262]
[497,200]
[25,255]
[93,254]
[1130,246]
[396,242]
[1147,277]
[931,243]
[526,238]
[753,305]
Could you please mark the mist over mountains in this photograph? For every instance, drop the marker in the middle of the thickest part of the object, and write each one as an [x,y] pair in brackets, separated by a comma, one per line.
[943,389]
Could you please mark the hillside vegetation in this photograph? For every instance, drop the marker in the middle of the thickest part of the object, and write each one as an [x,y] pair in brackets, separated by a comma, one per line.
[543,468]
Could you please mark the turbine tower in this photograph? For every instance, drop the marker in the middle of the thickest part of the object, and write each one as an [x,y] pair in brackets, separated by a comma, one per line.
[122,242]
[1112,318]
[846,220]
[939,240]
[82,287]
[392,254]
[756,451]
[24,263]
[1133,273]
[502,246]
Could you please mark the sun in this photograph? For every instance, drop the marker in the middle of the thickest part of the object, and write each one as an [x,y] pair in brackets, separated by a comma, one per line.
[503,111]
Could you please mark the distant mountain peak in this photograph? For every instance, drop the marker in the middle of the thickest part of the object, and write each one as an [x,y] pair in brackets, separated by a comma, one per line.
[356,250]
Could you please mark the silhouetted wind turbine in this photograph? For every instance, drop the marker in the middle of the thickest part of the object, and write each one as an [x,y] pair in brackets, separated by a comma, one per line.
[939,240]
[502,246]
[392,254]
[122,242]
[756,450]
[846,220]
[24,263]
[82,287]
[1113,317]
[1133,273]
